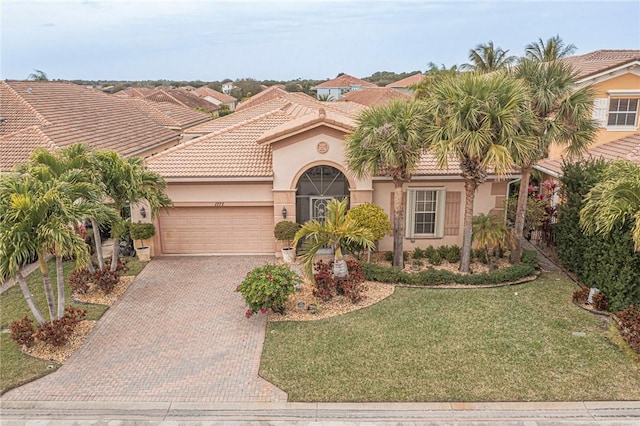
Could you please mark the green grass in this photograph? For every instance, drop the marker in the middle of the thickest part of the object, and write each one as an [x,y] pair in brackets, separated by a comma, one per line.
[455,345]
[16,367]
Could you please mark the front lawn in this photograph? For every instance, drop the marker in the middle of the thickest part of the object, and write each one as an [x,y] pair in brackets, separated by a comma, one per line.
[17,367]
[499,344]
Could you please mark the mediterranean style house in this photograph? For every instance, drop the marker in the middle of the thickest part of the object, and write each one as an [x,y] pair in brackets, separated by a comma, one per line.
[614,76]
[55,114]
[283,158]
[336,88]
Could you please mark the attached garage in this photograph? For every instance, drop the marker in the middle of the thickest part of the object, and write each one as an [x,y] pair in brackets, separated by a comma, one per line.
[217,230]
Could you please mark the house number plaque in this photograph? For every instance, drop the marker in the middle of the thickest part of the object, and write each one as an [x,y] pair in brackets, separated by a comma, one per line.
[323,147]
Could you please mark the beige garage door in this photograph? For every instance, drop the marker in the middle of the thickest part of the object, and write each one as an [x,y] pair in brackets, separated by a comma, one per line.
[197,230]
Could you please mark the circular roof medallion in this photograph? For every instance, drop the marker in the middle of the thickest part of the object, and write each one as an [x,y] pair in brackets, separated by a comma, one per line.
[323,147]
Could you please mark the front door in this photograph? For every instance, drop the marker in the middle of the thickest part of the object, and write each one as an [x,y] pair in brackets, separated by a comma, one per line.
[318,207]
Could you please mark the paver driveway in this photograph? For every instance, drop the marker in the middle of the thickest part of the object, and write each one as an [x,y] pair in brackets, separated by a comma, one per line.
[178,334]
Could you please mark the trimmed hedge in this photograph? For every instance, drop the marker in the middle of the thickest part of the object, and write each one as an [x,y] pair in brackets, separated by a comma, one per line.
[439,277]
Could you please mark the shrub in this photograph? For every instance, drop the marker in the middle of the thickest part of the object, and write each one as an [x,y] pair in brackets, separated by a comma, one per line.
[141,231]
[353,285]
[628,322]
[480,254]
[285,230]
[80,280]
[600,302]
[325,286]
[268,287]
[22,332]
[418,253]
[435,258]
[452,254]
[372,217]
[57,333]
[105,279]
[388,256]
[581,295]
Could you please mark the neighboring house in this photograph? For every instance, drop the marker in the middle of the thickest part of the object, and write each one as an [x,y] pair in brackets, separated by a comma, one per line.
[372,96]
[172,116]
[227,87]
[407,83]
[216,97]
[273,92]
[285,157]
[182,97]
[339,86]
[614,76]
[56,114]
[134,92]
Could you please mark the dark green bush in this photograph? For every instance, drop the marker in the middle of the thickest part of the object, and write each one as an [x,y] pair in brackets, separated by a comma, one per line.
[435,258]
[607,262]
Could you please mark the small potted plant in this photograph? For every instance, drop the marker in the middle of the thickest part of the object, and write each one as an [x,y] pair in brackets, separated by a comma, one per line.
[286,231]
[142,231]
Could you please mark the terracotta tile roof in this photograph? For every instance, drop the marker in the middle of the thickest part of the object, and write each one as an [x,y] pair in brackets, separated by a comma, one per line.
[15,148]
[374,96]
[344,81]
[67,113]
[601,60]
[627,148]
[428,166]
[168,114]
[181,97]
[135,92]
[407,81]
[271,93]
[207,91]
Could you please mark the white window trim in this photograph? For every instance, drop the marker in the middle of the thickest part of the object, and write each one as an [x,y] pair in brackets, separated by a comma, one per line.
[631,93]
[441,195]
[622,94]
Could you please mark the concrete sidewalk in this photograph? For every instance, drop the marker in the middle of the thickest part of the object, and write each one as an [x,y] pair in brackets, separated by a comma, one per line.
[453,413]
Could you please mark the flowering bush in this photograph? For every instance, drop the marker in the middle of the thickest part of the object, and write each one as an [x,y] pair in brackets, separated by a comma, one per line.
[327,286]
[268,287]
[22,332]
[57,333]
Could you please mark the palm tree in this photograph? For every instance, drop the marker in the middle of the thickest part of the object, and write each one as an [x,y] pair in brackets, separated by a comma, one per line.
[38,75]
[562,116]
[128,181]
[433,72]
[482,123]
[553,49]
[388,141]
[490,233]
[336,231]
[487,58]
[614,200]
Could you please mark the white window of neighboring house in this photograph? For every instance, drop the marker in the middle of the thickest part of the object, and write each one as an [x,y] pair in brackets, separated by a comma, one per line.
[623,112]
[425,212]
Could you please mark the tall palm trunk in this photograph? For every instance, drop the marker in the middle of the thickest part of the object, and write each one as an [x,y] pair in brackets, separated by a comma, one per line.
[340,269]
[521,212]
[97,239]
[398,224]
[60,284]
[46,282]
[29,298]
[470,186]
[116,254]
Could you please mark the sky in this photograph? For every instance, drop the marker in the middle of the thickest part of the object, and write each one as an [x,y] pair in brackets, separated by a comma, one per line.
[285,40]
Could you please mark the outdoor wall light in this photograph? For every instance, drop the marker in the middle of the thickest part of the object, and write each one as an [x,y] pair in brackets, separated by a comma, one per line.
[143,212]
[284,213]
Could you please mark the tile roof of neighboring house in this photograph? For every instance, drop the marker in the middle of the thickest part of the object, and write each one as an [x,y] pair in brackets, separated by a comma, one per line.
[67,113]
[169,114]
[374,96]
[627,148]
[181,97]
[135,92]
[407,81]
[15,148]
[344,81]
[272,92]
[207,91]
[600,61]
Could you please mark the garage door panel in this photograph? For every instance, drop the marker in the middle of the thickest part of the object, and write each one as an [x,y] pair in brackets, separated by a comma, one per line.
[193,230]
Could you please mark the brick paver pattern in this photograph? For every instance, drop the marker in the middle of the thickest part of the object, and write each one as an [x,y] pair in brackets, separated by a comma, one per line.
[178,334]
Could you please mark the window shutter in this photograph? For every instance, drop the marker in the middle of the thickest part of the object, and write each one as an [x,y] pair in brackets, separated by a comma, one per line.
[440,212]
[409,213]
[600,109]
[452,213]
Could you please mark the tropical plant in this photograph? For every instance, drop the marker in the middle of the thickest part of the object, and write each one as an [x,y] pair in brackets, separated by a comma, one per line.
[554,48]
[388,140]
[38,75]
[421,89]
[490,233]
[487,58]
[268,287]
[141,231]
[336,231]
[128,181]
[562,115]
[325,97]
[613,201]
[484,124]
